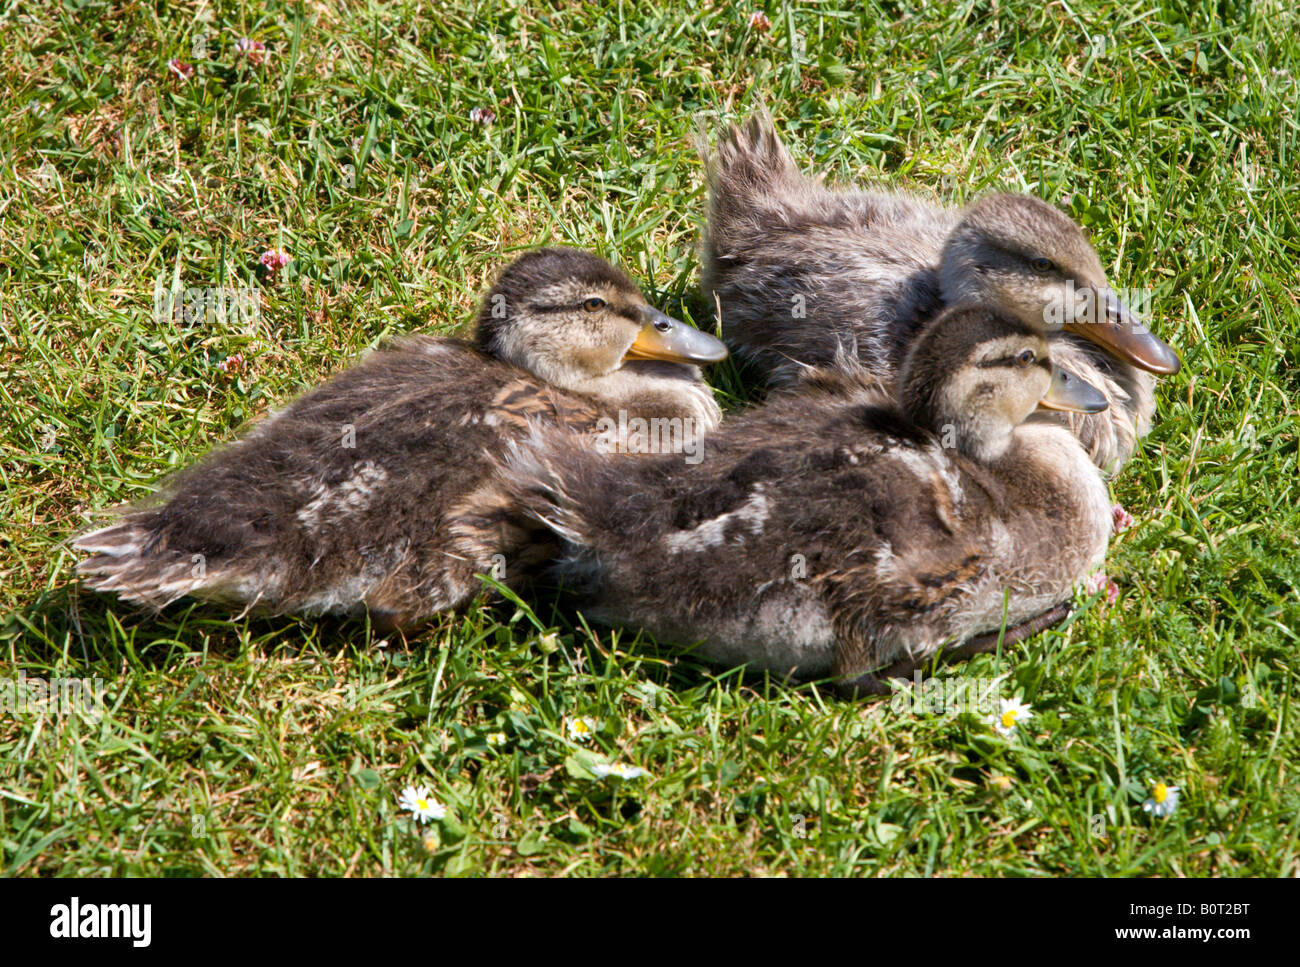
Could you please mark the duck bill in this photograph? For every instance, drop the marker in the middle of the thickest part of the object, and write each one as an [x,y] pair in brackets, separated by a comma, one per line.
[1112,326]
[1072,394]
[666,338]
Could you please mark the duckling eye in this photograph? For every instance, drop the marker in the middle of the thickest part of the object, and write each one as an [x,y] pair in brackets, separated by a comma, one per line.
[1041,265]
[592,304]
[1026,358]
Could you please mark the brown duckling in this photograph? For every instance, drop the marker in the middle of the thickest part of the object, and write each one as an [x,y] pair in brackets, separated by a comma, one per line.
[800,272]
[834,531]
[338,503]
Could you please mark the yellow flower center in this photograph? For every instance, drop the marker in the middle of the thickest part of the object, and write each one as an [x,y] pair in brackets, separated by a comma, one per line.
[1009,718]
[421,804]
[1161,793]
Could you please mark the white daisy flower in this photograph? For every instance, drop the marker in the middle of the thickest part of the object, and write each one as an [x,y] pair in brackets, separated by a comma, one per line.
[620,770]
[582,728]
[1013,713]
[1163,801]
[496,739]
[420,803]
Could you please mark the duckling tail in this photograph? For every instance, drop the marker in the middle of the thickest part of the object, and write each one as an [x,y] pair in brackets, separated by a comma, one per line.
[553,479]
[549,476]
[751,169]
[123,559]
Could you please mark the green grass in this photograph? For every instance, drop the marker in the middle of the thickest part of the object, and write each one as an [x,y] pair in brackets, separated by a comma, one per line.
[279,747]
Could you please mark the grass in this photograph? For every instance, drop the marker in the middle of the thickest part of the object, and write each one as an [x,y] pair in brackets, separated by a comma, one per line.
[279,747]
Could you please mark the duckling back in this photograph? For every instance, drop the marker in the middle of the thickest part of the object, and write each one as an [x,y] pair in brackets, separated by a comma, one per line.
[823,533]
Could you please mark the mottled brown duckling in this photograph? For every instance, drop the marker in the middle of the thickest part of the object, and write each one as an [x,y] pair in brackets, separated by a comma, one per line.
[833,531]
[338,503]
[801,272]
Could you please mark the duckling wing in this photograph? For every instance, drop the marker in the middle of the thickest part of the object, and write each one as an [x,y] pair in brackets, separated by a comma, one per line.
[901,545]
[901,584]
[523,402]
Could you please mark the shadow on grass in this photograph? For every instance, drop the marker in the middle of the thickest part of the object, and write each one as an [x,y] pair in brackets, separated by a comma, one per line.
[70,624]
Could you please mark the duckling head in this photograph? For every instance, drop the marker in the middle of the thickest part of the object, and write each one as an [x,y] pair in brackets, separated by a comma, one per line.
[974,375]
[1022,255]
[571,318]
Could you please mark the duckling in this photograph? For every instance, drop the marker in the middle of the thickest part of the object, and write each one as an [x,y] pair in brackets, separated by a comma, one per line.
[799,270]
[835,532]
[338,503]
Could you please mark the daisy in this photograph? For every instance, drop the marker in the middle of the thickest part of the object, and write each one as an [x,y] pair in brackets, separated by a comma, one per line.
[496,739]
[1013,713]
[619,770]
[1163,801]
[582,728]
[420,802]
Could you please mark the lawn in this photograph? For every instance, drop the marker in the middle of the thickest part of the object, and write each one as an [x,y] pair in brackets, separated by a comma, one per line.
[353,143]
